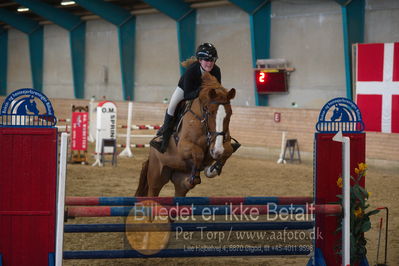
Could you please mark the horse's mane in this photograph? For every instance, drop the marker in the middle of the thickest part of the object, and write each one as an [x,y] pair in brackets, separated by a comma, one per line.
[188,62]
[210,82]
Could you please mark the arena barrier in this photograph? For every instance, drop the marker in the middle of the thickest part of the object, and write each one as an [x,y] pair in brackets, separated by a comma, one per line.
[332,159]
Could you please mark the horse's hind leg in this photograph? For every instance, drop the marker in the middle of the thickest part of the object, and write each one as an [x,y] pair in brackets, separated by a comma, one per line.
[181,183]
[158,176]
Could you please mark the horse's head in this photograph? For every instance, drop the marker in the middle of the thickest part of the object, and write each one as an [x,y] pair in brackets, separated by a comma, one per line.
[215,101]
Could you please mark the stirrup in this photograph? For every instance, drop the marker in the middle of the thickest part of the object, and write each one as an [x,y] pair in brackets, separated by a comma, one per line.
[160,131]
[235,145]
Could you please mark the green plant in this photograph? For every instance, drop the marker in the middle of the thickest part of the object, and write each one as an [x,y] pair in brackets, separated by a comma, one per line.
[360,217]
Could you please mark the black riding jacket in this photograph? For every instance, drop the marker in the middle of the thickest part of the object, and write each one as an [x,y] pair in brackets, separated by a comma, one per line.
[191,80]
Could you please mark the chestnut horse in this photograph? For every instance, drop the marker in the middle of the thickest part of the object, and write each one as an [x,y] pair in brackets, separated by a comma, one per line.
[203,138]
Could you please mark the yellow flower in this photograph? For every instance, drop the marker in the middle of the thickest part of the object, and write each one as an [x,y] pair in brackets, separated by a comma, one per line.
[358,212]
[339,182]
[362,168]
[369,194]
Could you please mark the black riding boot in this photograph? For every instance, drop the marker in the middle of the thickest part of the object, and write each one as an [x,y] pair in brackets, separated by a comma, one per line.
[161,143]
[165,138]
[166,121]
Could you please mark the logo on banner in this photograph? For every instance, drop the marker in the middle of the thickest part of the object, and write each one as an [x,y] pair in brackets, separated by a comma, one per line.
[340,114]
[27,107]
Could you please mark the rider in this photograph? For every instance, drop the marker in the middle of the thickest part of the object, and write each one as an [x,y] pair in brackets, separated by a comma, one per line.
[188,88]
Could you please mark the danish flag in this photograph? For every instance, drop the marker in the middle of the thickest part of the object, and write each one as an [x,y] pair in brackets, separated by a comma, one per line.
[377,86]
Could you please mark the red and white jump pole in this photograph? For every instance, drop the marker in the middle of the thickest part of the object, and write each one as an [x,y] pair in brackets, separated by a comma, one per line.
[127,152]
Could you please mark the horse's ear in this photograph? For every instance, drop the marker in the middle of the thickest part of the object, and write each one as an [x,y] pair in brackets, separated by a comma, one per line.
[212,94]
[231,94]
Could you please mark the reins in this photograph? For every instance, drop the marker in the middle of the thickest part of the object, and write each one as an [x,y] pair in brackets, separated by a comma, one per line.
[210,136]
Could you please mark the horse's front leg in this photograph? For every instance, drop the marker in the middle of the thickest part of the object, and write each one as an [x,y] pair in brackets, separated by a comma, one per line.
[193,155]
[198,158]
[216,168]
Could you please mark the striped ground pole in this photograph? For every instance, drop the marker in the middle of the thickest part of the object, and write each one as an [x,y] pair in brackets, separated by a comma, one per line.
[192,227]
[141,127]
[134,145]
[130,201]
[228,210]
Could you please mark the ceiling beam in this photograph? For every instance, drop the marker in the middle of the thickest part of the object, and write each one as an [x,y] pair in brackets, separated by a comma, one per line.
[59,16]
[19,22]
[35,35]
[175,9]
[109,12]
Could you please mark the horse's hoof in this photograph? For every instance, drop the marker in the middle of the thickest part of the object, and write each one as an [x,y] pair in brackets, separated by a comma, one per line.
[189,184]
[210,174]
[192,182]
[197,181]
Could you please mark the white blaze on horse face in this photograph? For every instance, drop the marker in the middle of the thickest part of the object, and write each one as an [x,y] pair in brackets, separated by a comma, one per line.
[220,115]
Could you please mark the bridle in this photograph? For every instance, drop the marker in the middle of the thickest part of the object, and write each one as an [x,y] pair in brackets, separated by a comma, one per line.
[204,119]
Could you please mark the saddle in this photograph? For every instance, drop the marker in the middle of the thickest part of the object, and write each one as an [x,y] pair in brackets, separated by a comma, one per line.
[181,108]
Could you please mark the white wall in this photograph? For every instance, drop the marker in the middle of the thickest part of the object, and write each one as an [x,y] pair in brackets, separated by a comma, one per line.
[382,21]
[309,36]
[18,74]
[103,71]
[157,58]
[57,68]
[228,29]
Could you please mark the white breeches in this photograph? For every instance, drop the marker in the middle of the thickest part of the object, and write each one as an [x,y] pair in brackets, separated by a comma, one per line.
[177,96]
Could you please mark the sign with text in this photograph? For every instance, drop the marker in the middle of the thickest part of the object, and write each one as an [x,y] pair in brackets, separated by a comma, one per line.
[80,132]
[106,124]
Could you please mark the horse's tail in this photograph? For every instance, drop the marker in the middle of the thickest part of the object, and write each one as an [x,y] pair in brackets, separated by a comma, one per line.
[142,189]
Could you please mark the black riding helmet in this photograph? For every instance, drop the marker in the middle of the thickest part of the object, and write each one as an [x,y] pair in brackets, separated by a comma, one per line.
[206,51]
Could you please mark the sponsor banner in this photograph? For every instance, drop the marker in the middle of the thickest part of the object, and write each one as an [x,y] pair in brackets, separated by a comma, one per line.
[80,127]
